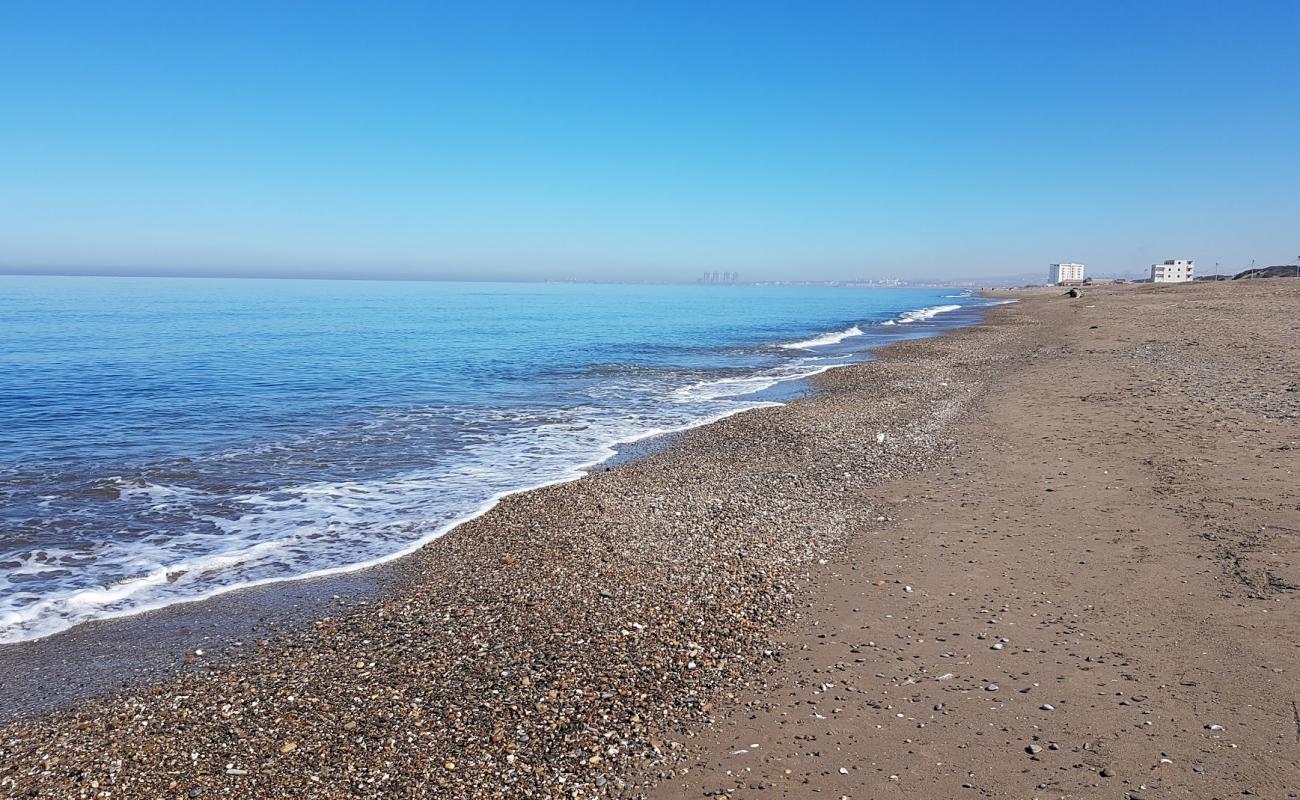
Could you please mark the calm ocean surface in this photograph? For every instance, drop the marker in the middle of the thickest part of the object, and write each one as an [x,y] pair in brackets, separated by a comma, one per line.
[163,440]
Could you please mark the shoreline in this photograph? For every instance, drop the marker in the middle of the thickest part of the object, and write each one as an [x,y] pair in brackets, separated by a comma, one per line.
[564,639]
[91,659]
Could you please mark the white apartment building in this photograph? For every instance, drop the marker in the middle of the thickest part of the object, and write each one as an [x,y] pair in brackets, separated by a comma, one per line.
[1065,273]
[1176,270]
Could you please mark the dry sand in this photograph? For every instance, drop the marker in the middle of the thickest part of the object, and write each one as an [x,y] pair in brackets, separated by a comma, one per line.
[1118,503]
[1116,548]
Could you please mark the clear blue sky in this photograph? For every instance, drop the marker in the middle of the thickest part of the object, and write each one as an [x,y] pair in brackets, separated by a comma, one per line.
[644,140]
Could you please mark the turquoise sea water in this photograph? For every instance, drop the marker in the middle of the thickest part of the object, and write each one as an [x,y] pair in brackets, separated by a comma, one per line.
[167,439]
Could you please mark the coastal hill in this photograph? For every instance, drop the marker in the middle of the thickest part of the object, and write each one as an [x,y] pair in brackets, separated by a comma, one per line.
[1278,271]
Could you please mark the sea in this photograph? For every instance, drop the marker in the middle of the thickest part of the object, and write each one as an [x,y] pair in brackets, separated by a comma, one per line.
[164,440]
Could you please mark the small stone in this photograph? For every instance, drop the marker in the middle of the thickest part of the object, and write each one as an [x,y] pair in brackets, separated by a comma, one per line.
[992,687]
[1107,772]
[1047,707]
[1033,749]
[1214,727]
[843,771]
[288,747]
[996,646]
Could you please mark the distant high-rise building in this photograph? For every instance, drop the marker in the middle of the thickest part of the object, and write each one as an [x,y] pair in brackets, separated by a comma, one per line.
[725,277]
[1065,274]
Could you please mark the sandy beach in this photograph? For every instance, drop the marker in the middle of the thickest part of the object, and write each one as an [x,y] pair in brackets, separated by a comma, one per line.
[1053,555]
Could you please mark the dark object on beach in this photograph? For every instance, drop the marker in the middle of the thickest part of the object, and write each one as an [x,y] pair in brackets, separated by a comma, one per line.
[1074,293]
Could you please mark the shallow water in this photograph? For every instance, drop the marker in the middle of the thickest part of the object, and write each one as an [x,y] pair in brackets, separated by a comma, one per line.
[168,439]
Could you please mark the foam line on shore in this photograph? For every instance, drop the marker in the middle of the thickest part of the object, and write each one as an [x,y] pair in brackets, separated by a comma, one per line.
[95,603]
[823,340]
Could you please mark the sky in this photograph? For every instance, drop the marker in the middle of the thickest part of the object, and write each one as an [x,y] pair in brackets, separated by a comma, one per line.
[647,141]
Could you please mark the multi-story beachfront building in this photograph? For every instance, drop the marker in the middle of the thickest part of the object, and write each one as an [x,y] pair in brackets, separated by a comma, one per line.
[1065,274]
[1175,270]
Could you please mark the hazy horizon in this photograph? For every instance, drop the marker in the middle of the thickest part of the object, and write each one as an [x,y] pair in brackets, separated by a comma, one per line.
[609,143]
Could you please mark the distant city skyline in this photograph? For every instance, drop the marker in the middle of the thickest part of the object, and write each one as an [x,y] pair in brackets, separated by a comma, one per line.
[607,142]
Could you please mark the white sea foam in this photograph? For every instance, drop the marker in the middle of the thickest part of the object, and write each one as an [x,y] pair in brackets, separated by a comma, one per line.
[920,315]
[824,339]
[290,532]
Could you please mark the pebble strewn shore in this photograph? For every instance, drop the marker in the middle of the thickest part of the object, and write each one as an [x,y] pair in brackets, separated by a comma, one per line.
[562,645]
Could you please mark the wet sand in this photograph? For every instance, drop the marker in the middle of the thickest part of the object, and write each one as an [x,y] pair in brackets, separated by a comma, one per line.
[631,632]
